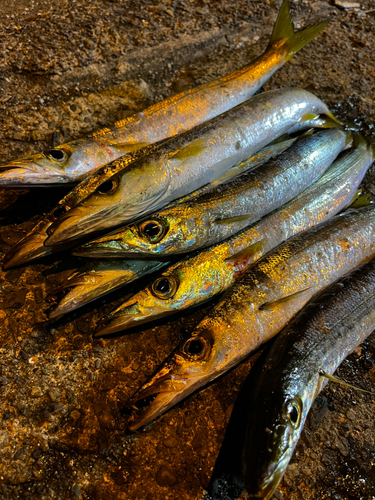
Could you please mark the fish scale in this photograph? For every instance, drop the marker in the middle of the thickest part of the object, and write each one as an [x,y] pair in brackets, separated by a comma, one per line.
[242,320]
[315,342]
[201,276]
[176,168]
[71,162]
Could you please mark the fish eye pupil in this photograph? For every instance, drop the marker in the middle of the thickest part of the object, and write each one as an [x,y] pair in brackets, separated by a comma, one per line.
[106,187]
[152,229]
[163,286]
[59,211]
[195,347]
[56,154]
[293,414]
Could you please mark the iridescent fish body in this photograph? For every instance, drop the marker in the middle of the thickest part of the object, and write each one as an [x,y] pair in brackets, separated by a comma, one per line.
[71,162]
[32,246]
[257,307]
[200,277]
[311,347]
[222,212]
[186,162]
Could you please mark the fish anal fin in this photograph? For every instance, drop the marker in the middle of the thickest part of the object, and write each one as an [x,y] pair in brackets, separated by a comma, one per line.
[270,306]
[231,220]
[193,149]
[242,259]
[332,378]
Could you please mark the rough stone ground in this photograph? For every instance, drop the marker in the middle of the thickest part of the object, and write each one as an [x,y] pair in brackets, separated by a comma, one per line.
[67,68]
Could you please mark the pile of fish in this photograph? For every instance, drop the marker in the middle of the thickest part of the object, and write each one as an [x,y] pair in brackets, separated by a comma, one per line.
[222,191]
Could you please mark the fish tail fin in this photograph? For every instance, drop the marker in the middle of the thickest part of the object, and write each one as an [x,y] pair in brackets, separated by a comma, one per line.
[283,32]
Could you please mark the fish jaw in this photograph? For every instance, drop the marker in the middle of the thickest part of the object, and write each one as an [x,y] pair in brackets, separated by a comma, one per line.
[31,247]
[168,387]
[125,196]
[65,164]
[83,288]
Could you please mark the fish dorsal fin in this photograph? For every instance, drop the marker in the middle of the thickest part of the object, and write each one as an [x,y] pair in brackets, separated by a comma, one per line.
[341,382]
[246,256]
[193,149]
[231,220]
[270,306]
[283,32]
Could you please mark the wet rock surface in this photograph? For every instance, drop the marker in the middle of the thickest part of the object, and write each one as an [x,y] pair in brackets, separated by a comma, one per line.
[66,69]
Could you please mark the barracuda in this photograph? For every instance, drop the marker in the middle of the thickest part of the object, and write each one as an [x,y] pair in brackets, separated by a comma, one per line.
[71,162]
[200,277]
[308,350]
[32,245]
[97,280]
[186,162]
[222,212]
[256,308]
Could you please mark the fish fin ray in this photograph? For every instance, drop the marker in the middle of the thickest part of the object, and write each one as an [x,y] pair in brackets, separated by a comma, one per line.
[242,258]
[269,306]
[332,378]
[283,31]
[193,149]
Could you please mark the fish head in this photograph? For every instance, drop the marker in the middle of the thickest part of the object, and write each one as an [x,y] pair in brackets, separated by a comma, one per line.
[122,197]
[165,233]
[183,285]
[64,164]
[187,369]
[275,425]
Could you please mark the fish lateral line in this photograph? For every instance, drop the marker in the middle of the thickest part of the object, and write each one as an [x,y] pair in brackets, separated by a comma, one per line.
[332,378]
[269,306]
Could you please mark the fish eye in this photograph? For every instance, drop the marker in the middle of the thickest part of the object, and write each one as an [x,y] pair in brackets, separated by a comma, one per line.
[59,211]
[165,287]
[196,348]
[108,187]
[154,230]
[58,155]
[293,412]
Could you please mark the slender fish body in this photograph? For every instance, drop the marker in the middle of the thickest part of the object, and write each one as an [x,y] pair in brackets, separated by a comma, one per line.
[32,246]
[200,277]
[257,307]
[71,162]
[187,162]
[319,338]
[97,280]
[222,212]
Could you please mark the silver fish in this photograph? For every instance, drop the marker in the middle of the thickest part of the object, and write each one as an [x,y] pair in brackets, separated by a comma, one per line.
[200,277]
[222,212]
[71,162]
[299,365]
[32,246]
[257,307]
[187,162]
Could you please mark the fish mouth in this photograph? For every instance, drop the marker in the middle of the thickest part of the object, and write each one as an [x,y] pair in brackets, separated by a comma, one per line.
[84,287]
[75,224]
[157,396]
[102,249]
[29,248]
[21,173]
[128,315]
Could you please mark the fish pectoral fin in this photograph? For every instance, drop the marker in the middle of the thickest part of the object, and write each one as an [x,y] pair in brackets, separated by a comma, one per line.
[193,149]
[341,382]
[269,306]
[360,200]
[230,220]
[242,258]
[283,31]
